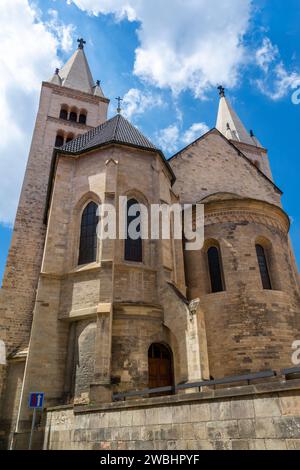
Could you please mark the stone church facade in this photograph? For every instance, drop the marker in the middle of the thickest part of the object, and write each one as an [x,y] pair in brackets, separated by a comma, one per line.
[83,318]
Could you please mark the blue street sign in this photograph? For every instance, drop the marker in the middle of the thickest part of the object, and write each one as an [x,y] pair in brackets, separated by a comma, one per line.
[36,400]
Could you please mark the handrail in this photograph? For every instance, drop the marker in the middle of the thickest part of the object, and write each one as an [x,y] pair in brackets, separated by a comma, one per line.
[293,370]
[228,380]
[185,386]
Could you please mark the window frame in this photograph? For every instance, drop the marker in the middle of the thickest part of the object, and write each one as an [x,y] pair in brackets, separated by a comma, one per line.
[264,271]
[83,258]
[139,258]
[221,280]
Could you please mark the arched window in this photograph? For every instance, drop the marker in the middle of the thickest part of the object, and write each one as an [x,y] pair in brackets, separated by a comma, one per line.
[63,113]
[73,116]
[59,141]
[88,235]
[215,269]
[263,267]
[82,118]
[133,248]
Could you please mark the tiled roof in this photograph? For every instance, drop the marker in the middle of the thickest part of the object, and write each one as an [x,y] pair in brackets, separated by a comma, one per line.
[116,130]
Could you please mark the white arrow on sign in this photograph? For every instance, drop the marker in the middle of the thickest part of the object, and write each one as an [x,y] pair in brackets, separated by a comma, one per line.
[39,401]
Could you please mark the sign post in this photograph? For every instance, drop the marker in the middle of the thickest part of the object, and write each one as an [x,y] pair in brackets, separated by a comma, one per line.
[36,400]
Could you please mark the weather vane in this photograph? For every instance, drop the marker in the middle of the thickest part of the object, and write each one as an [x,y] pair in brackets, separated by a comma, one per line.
[119,109]
[81,43]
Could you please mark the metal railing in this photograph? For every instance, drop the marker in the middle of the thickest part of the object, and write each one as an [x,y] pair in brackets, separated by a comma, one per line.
[292,371]
[205,383]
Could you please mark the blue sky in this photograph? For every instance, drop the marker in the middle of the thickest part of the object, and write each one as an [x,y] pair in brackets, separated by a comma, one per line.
[155,60]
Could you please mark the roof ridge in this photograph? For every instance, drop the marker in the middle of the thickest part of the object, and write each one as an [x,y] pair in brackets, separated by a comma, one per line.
[116,126]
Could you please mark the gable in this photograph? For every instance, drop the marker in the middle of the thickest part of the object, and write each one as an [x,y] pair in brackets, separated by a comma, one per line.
[213,165]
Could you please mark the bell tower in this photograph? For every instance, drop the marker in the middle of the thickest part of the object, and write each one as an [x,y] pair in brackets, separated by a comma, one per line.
[71,103]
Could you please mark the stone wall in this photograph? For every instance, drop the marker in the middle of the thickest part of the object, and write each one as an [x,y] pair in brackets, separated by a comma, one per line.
[264,416]
[20,280]
[248,328]
[212,165]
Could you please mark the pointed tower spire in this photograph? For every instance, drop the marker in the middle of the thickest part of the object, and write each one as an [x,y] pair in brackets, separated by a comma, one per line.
[76,73]
[230,125]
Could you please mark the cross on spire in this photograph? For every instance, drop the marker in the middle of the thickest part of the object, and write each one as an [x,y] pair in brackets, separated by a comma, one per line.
[81,43]
[119,109]
[221,91]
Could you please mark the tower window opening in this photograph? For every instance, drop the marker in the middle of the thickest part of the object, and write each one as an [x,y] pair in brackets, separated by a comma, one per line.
[82,118]
[59,141]
[263,267]
[73,116]
[63,114]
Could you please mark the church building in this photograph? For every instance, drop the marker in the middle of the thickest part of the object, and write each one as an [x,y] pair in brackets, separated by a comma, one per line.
[84,319]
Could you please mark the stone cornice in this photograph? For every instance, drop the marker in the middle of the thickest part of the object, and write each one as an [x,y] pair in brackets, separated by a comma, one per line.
[80,95]
[71,124]
[248,210]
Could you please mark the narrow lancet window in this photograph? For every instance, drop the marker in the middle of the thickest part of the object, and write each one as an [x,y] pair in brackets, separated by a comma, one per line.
[215,269]
[263,267]
[88,235]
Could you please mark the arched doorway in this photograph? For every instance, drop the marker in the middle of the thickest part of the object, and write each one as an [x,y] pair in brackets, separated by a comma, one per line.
[160,366]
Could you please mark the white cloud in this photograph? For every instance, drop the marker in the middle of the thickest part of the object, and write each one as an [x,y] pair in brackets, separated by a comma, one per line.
[184,44]
[276,81]
[194,132]
[63,32]
[280,83]
[28,56]
[266,54]
[170,138]
[136,102]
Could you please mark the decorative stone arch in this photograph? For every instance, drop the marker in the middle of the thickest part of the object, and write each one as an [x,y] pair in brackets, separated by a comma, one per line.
[75,228]
[138,195]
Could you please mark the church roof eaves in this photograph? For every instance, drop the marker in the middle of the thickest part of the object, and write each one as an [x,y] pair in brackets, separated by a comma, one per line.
[115,131]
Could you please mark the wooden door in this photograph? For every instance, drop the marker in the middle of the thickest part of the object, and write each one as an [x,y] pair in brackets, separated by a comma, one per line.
[160,366]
